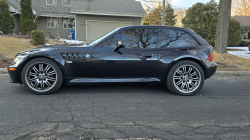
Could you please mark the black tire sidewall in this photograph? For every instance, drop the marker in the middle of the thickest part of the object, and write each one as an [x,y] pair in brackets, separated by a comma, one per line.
[170,83]
[43,60]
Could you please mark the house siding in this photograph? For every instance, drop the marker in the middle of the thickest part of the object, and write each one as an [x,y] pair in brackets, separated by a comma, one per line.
[42,26]
[81,29]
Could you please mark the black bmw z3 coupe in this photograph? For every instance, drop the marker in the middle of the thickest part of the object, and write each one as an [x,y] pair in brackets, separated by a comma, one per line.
[176,57]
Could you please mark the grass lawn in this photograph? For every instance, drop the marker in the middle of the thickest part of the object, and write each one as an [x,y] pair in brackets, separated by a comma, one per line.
[229,62]
[10,46]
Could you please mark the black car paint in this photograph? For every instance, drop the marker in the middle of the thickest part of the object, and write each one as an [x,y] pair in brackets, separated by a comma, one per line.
[84,63]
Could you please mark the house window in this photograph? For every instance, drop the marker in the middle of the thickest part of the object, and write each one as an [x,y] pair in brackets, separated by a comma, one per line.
[52,22]
[67,2]
[69,23]
[50,2]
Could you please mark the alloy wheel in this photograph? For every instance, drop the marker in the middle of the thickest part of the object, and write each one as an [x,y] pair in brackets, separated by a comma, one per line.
[41,77]
[187,78]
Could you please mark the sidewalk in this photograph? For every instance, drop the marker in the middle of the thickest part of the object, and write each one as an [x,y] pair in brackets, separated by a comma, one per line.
[218,73]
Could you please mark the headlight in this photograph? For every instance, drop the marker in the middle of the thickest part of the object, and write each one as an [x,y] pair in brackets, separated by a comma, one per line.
[16,61]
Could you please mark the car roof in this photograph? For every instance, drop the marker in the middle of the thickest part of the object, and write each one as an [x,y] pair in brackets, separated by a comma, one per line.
[155,26]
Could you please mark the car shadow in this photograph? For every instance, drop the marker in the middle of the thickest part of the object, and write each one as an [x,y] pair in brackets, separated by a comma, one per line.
[128,89]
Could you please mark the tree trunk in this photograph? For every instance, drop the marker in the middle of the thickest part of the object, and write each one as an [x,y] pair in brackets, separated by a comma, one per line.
[223,26]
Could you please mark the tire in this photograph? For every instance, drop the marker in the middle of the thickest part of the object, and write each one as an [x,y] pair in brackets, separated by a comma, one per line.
[42,76]
[185,78]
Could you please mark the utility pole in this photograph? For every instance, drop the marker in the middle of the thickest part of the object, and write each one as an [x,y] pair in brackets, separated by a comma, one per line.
[163,13]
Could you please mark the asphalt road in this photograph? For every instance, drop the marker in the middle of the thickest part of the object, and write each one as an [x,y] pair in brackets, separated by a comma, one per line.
[220,111]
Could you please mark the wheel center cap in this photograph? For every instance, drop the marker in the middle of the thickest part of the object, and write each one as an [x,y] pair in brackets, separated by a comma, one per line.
[185,78]
[41,76]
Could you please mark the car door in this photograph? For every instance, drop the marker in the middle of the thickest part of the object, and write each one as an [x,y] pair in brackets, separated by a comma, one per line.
[136,60]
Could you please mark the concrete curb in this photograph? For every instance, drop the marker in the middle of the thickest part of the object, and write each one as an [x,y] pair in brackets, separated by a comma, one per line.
[218,73]
[232,73]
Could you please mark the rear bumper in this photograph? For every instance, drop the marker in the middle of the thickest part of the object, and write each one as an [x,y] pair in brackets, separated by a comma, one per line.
[211,69]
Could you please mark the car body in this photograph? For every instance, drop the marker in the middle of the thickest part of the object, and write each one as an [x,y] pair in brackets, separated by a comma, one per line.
[141,54]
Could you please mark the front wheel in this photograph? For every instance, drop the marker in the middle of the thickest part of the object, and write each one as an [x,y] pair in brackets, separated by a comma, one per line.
[185,78]
[42,76]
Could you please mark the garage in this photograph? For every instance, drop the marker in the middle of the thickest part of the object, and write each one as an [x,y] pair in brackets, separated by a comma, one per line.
[96,29]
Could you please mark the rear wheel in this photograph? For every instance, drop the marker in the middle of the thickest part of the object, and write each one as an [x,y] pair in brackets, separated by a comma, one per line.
[42,76]
[185,78]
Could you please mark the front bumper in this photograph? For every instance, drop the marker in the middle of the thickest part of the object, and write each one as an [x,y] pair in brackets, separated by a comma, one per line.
[15,76]
[211,69]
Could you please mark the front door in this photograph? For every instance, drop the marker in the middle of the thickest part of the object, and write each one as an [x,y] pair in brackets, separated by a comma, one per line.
[137,60]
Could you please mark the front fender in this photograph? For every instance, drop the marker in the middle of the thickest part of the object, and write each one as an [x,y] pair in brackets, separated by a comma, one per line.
[20,61]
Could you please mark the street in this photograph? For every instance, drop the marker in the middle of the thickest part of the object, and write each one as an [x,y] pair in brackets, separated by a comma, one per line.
[221,110]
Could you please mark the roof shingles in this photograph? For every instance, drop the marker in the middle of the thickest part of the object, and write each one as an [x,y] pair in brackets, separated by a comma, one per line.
[101,6]
[109,6]
[244,20]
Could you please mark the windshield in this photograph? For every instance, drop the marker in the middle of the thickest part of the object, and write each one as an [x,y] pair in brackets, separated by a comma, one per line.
[101,38]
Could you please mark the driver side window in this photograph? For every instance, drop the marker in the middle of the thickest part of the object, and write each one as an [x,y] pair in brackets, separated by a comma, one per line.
[111,42]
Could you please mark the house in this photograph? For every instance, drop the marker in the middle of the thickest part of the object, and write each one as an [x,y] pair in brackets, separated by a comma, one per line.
[245,23]
[89,19]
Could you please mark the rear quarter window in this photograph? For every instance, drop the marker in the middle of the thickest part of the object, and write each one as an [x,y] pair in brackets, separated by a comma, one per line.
[170,38]
[204,41]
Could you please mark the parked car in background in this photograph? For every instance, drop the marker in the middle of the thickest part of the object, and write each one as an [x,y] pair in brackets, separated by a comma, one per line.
[176,57]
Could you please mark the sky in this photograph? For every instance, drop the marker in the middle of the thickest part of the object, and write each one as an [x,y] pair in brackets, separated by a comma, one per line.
[180,3]
[188,3]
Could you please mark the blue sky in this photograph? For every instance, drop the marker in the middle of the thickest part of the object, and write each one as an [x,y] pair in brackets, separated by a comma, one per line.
[182,3]
[188,3]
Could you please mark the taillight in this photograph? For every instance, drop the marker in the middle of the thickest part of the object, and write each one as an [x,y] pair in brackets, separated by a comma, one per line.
[211,57]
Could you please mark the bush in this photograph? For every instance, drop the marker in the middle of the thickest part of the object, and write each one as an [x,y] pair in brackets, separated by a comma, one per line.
[235,32]
[244,43]
[202,18]
[51,42]
[249,46]
[38,37]
[6,21]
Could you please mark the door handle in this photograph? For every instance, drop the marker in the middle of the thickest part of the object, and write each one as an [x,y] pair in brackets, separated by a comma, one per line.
[148,55]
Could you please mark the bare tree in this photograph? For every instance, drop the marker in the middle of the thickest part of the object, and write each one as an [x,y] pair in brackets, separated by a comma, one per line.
[241,7]
[36,5]
[181,13]
[151,4]
[223,26]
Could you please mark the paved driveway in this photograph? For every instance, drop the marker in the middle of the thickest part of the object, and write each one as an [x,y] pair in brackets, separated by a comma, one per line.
[220,111]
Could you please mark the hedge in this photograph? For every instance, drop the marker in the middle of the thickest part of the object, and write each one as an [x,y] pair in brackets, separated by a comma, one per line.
[38,37]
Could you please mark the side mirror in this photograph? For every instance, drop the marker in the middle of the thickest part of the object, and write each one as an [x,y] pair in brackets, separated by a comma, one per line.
[120,43]
[119,46]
